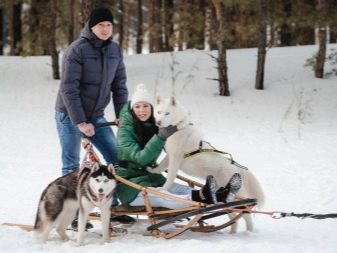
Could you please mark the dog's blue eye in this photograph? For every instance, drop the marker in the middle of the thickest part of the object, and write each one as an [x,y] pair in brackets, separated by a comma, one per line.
[106,180]
[97,180]
[167,113]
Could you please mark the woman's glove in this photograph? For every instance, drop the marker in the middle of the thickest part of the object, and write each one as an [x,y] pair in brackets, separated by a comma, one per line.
[165,132]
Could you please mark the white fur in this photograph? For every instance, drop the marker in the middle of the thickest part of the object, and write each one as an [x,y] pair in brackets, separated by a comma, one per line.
[100,185]
[186,139]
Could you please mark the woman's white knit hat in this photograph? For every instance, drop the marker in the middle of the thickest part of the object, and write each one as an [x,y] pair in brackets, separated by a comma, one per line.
[141,95]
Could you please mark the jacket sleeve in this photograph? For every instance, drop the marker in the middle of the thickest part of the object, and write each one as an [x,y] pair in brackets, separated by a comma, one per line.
[70,86]
[119,89]
[129,149]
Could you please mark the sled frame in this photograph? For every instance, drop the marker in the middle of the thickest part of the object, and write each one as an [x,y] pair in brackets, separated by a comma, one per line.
[196,213]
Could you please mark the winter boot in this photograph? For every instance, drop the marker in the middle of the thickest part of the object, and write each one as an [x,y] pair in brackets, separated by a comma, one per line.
[227,194]
[74,224]
[207,194]
[123,219]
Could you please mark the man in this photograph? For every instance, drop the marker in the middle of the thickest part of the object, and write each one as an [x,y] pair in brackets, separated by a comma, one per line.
[93,71]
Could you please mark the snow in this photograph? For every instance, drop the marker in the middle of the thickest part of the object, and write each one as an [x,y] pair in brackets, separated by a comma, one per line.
[286,135]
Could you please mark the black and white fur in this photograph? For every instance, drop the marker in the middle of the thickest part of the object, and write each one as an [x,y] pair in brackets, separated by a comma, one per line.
[79,190]
[187,139]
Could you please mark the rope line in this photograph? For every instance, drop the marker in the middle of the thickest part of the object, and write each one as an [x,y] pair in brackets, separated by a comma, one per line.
[279,215]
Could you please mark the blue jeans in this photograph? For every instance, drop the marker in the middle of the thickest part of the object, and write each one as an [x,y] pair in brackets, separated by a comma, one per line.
[70,138]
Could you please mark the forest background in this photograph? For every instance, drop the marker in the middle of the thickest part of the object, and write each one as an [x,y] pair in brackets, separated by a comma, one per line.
[47,27]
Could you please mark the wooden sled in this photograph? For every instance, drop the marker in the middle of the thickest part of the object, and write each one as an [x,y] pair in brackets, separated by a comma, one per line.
[196,215]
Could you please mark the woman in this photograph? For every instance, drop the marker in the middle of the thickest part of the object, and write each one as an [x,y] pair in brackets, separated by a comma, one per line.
[139,144]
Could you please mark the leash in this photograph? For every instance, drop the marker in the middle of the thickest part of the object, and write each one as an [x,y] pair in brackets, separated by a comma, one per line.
[90,156]
[214,150]
[279,215]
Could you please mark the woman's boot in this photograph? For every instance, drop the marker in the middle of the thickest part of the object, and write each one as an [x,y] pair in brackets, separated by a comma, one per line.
[207,194]
[227,193]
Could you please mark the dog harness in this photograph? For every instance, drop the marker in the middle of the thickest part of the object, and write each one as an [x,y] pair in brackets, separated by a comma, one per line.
[212,150]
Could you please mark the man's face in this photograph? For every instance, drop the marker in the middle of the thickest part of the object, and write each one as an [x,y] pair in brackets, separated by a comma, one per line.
[103,30]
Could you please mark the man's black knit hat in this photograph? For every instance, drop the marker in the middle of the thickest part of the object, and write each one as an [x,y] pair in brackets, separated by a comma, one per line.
[100,14]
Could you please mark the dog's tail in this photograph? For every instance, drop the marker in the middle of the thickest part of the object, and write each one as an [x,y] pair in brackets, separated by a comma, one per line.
[38,220]
[253,187]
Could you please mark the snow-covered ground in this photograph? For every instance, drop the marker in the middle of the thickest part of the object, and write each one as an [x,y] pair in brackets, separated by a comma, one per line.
[286,134]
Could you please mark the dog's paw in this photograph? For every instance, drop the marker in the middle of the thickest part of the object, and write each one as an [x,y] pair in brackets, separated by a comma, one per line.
[149,169]
[79,244]
[106,240]
[153,170]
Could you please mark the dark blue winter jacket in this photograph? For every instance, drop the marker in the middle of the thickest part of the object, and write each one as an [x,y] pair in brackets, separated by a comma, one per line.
[92,72]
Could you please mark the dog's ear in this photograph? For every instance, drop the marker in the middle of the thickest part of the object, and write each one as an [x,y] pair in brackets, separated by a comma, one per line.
[173,101]
[111,169]
[94,167]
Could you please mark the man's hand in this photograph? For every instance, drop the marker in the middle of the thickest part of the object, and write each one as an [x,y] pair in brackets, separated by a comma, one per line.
[117,122]
[87,129]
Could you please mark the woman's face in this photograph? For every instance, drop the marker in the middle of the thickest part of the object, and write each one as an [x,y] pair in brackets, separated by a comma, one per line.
[142,110]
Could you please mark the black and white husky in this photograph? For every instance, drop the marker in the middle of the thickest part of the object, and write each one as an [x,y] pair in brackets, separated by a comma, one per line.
[82,190]
[186,140]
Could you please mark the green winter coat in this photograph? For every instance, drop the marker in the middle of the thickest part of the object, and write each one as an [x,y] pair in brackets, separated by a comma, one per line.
[137,159]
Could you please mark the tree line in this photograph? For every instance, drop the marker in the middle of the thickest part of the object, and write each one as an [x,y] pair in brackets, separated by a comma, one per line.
[45,27]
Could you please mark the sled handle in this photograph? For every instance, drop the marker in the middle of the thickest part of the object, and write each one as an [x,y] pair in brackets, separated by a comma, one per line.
[105,124]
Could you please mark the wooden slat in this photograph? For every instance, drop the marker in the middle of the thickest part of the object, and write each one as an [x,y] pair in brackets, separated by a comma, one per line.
[22,226]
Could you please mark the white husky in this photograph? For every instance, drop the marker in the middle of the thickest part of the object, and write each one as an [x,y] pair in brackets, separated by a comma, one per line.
[188,139]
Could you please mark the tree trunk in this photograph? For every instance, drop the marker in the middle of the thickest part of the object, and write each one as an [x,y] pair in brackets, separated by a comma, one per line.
[262,44]
[200,34]
[87,7]
[305,35]
[168,25]
[213,29]
[15,34]
[333,34]
[33,45]
[71,25]
[155,34]
[322,40]
[221,60]
[121,23]
[320,58]
[286,32]
[52,16]
[2,42]
[158,27]
[139,39]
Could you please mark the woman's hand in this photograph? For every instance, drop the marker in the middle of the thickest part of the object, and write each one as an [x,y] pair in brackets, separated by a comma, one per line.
[165,132]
